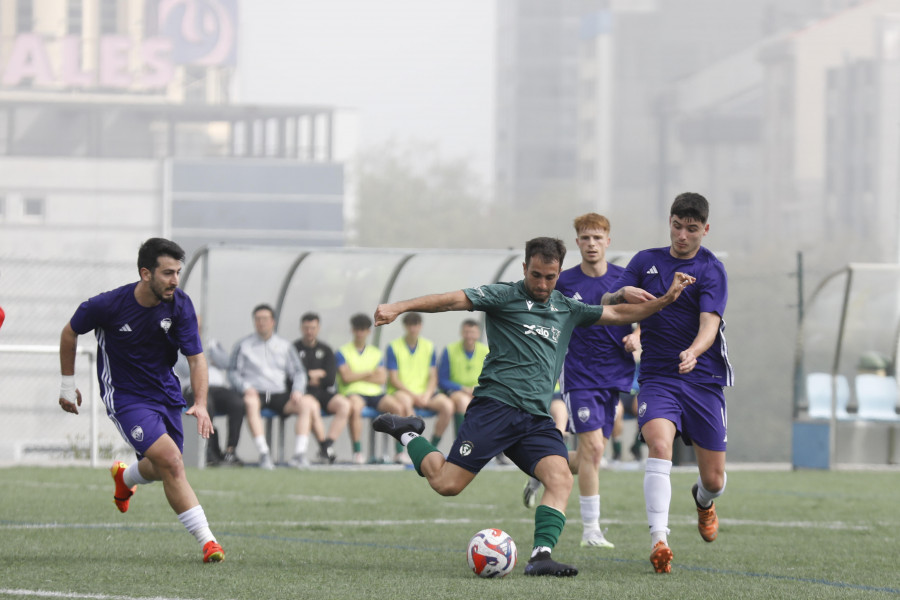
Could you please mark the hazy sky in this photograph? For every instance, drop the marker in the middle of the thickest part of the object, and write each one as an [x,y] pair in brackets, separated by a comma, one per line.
[412,69]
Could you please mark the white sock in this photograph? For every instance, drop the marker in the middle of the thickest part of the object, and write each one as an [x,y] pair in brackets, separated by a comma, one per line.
[194,520]
[590,513]
[132,476]
[261,444]
[658,496]
[538,549]
[704,496]
[301,444]
[407,437]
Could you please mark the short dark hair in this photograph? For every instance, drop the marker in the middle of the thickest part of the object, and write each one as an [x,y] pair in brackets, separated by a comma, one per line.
[412,318]
[152,249]
[549,249]
[359,321]
[690,205]
[309,316]
[470,323]
[263,306]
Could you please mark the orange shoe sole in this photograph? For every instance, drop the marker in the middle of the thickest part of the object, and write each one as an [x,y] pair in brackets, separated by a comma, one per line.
[661,557]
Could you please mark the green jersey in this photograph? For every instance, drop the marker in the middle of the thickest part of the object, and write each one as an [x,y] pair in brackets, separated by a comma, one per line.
[527,341]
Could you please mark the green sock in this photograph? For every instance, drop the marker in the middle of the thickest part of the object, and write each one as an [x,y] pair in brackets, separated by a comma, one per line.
[458,419]
[418,449]
[357,446]
[435,440]
[617,448]
[548,526]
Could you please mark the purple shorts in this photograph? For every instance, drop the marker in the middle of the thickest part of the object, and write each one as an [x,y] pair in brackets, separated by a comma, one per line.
[143,424]
[697,410]
[592,410]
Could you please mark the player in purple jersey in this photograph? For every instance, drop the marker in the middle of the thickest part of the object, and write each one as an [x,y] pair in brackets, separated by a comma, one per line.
[140,327]
[684,368]
[597,367]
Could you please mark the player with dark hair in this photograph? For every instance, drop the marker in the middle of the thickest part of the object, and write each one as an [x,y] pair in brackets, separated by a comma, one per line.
[684,368]
[598,366]
[140,327]
[528,326]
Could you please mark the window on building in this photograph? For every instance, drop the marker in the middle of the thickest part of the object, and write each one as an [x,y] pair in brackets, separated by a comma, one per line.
[24,16]
[74,17]
[109,17]
[195,84]
[33,207]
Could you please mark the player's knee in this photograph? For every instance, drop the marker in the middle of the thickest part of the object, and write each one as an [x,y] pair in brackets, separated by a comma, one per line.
[560,480]
[446,488]
[341,407]
[660,448]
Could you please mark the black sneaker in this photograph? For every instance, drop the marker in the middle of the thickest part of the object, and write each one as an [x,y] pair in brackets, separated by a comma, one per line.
[542,564]
[326,451]
[397,426]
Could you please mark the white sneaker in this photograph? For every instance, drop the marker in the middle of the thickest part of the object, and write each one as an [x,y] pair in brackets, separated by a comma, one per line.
[595,539]
[530,493]
[265,462]
[359,458]
[402,458]
[299,461]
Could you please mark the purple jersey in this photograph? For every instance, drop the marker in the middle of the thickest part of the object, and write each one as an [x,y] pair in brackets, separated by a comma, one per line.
[667,333]
[597,358]
[138,346]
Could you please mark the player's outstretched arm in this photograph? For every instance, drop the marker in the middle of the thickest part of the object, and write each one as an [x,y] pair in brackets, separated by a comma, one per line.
[456,300]
[622,314]
[69,396]
[627,295]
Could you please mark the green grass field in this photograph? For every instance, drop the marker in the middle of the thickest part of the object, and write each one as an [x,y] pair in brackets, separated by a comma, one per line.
[335,533]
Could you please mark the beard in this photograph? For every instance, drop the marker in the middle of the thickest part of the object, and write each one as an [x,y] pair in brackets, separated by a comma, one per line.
[159,289]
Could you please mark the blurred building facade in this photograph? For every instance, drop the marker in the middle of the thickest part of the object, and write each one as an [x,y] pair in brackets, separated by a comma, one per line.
[116,125]
[783,113]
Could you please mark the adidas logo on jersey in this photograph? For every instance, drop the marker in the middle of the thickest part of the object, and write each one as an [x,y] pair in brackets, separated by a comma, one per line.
[652,271]
[577,296]
[126,328]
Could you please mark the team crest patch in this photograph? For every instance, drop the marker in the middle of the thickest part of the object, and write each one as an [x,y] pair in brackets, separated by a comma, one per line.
[584,413]
[166,324]
[642,409]
[137,433]
[465,448]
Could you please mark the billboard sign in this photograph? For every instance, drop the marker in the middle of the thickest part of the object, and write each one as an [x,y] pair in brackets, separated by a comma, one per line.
[189,32]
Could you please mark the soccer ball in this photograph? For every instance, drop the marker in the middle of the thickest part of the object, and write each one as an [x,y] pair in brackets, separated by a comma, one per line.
[492,553]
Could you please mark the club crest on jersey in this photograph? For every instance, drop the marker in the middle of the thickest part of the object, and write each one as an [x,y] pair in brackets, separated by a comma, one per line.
[466,448]
[584,413]
[642,409]
[137,433]
[166,324]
